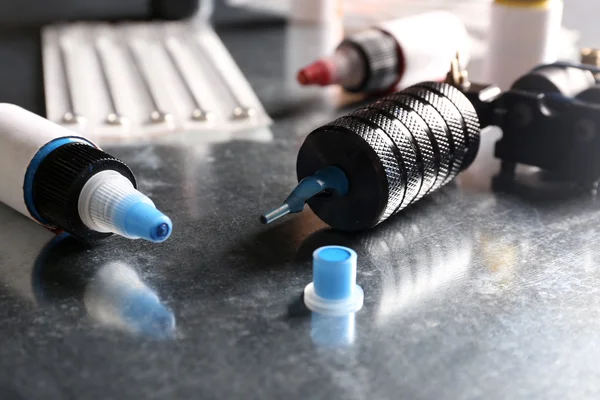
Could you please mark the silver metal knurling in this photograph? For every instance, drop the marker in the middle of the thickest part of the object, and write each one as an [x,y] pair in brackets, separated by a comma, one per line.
[417,128]
[438,136]
[467,111]
[407,158]
[456,128]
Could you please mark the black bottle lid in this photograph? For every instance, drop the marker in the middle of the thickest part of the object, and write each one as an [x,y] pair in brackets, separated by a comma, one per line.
[59,180]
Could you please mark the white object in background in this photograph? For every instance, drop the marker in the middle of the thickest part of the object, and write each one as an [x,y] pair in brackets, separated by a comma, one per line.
[305,43]
[316,10]
[393,55]
[427,55]
[160,77]
[522,34]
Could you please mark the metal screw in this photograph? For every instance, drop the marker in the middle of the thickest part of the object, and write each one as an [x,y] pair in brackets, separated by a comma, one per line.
[590,56]
[243,112]
[457,76]
[71,118]
[198,113]
[158,117]
[116,119]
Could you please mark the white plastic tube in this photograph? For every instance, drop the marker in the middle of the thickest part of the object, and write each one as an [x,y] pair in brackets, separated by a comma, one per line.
[108,201]
[22,135]
[523,34]
[427,55]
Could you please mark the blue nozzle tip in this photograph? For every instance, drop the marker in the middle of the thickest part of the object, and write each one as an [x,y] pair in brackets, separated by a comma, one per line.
[143,220]
[161,232]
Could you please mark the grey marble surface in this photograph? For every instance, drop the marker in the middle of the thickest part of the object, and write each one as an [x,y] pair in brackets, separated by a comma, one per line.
[469,294]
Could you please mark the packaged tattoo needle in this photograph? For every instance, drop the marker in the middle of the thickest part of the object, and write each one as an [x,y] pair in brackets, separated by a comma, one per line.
[133,80]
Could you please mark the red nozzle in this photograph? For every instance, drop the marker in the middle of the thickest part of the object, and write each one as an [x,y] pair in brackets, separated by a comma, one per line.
[318,73]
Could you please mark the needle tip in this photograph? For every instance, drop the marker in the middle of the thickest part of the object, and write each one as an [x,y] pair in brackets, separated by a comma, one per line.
[275,214]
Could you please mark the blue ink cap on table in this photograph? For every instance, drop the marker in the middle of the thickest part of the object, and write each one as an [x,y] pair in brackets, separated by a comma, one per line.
[334,289]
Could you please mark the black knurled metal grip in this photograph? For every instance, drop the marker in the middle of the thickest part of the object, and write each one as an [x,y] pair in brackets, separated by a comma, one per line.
[403,151]
[412,143]
[455,127]
[59,180]
[467,112]
[419,131]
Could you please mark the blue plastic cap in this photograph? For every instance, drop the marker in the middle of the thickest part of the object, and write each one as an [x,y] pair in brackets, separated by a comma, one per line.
[145,314]
[144,220]
[334,272]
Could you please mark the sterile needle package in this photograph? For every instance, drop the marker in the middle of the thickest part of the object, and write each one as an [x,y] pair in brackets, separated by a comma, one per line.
[143,79]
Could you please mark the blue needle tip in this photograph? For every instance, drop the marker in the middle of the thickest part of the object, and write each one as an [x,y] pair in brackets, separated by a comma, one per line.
[328,179]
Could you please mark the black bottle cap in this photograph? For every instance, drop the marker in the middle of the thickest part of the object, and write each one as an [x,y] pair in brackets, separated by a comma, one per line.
[60,179]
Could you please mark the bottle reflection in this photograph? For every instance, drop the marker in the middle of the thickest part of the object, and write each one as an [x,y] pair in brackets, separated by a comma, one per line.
[326,330]
[117,297]
[332,331]
[112,293]
[21,240]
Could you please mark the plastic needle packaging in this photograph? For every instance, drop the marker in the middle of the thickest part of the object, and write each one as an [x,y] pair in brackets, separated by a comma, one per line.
[141,79]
